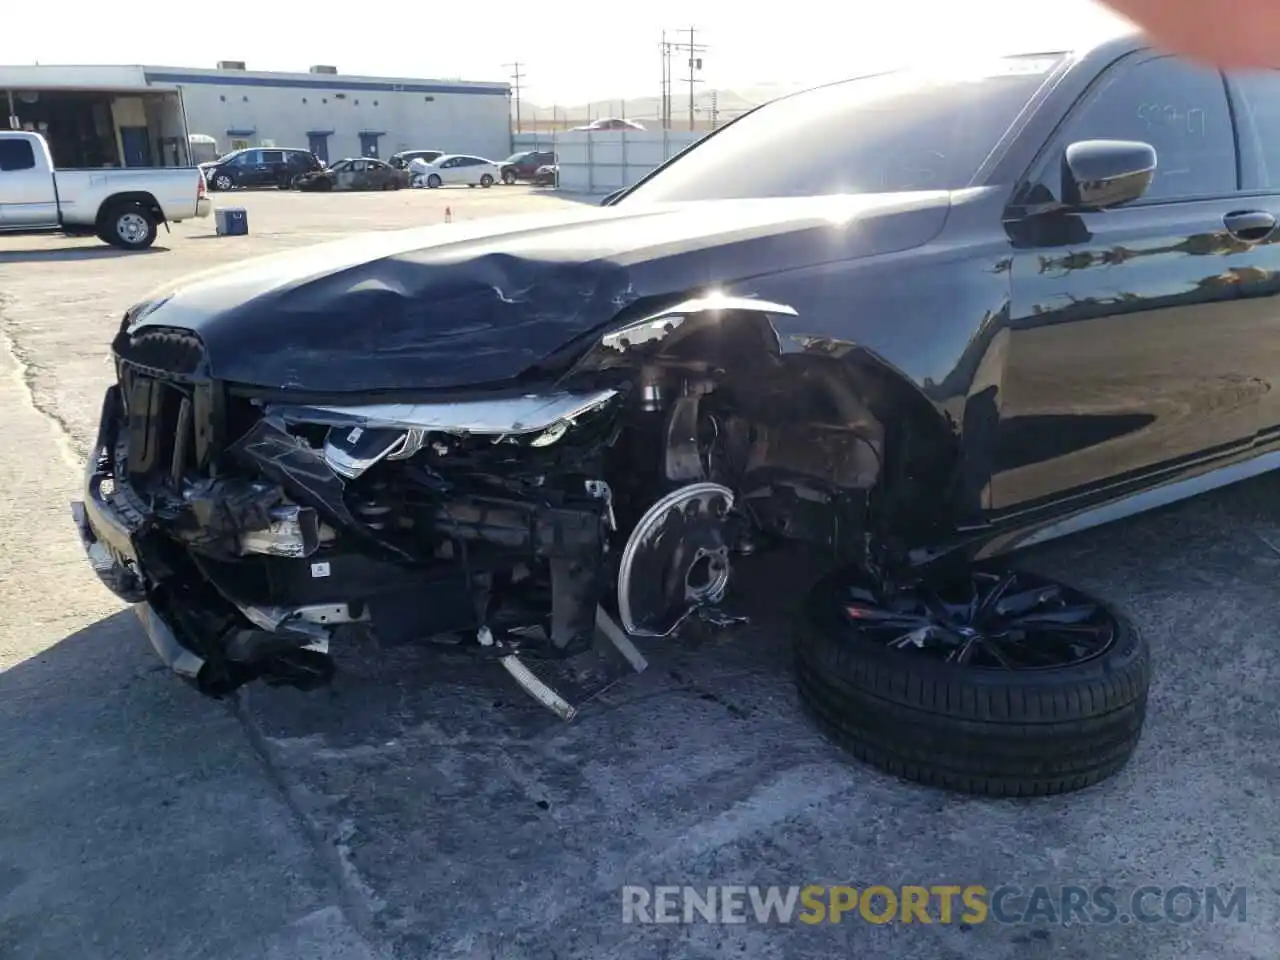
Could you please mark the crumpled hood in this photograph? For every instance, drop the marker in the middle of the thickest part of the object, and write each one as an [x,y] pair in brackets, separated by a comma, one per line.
[481,302]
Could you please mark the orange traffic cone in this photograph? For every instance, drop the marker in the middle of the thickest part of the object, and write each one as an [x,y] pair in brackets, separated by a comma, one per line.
[448,215]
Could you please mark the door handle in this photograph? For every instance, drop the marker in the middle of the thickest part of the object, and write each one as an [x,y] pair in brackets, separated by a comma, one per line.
[1250,225]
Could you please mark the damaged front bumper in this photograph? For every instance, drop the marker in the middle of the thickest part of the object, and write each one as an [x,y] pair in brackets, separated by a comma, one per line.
[119,529]
[251,569]
[107,533]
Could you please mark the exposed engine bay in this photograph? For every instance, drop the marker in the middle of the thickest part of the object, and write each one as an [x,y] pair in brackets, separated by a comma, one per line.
[262,528]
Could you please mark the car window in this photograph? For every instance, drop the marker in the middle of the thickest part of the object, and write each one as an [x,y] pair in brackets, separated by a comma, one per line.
[1177,107]
[248,158]
[17,155]
[919,129]
[1258,109]
[341,166]
[272,156]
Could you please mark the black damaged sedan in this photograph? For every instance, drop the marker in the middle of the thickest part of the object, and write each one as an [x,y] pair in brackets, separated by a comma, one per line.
[973,311]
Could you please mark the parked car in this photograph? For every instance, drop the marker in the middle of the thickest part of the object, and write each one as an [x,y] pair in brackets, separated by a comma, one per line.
[611,123]
[524,165]
[547,175]
[260,167]
[402,159]
[453,169]
[354,173]
[973,312]
[124,208]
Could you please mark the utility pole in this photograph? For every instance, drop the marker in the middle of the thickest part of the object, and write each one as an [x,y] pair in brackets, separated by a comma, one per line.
[695,51]
[663,113]
[516,77]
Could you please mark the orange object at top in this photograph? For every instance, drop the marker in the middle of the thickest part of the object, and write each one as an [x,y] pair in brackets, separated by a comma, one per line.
[1233,34]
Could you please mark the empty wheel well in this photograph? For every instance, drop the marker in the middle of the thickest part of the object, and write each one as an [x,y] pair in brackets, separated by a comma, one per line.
[832,447]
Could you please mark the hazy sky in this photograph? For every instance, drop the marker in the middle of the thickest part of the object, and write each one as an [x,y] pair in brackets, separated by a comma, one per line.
[572,50]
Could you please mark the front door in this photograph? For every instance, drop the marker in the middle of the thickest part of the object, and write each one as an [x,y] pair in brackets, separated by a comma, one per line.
[27,199]
[318,143]
[136,142]
[1144,337]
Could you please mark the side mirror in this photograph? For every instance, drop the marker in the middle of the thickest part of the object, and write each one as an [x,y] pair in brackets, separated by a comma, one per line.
[1099,174]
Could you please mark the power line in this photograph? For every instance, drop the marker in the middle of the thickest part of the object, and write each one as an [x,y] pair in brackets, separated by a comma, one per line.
[516,77]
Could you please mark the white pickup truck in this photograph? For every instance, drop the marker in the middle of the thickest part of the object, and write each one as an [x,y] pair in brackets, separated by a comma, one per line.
[123,207]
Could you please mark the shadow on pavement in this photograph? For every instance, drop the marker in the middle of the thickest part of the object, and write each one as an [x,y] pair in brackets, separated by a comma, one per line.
[476,824]
[465,821]
[103,252]
[135,819]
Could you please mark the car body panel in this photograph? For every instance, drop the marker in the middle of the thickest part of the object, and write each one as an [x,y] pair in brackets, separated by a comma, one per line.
[525,166]
[354,173]
[37,197]
[261,167]
[453,169]
[914,374]
[484,301]
[402,159]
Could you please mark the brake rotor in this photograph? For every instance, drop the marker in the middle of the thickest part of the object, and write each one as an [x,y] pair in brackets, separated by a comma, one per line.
[676,560]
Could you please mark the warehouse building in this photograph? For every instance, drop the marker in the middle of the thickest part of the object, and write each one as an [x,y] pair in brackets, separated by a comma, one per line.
[97,116]
[149,116]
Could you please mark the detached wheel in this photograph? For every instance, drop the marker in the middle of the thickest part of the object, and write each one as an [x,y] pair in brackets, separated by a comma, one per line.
[130,226]
[997,683]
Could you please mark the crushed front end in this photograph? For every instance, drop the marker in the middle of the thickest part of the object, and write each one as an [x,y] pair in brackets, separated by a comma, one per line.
[253,533]
[254,528]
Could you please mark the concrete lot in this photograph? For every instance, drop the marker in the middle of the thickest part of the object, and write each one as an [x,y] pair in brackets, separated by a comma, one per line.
[422,808]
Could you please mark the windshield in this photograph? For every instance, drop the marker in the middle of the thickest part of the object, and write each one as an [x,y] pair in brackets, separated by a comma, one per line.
[908,130]
[231,156]
[516,157]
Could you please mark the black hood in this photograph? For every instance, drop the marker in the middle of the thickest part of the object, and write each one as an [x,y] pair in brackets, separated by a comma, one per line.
[481,302]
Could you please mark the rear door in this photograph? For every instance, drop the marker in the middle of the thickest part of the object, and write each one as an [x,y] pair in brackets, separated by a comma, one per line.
[27,198]
[1142,340]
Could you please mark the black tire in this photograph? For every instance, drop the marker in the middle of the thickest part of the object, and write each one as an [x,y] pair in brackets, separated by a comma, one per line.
[1010,733]
[508,177]
[222,181]
[434,181]
[129,226]
[486,181]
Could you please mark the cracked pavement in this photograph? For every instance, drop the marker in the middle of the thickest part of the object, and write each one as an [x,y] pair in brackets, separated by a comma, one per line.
[424,807]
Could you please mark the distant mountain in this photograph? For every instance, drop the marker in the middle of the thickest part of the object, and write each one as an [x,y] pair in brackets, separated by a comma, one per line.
[710,107]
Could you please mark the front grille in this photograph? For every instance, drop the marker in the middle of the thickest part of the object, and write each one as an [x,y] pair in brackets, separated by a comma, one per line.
[164,350]
[159,427]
